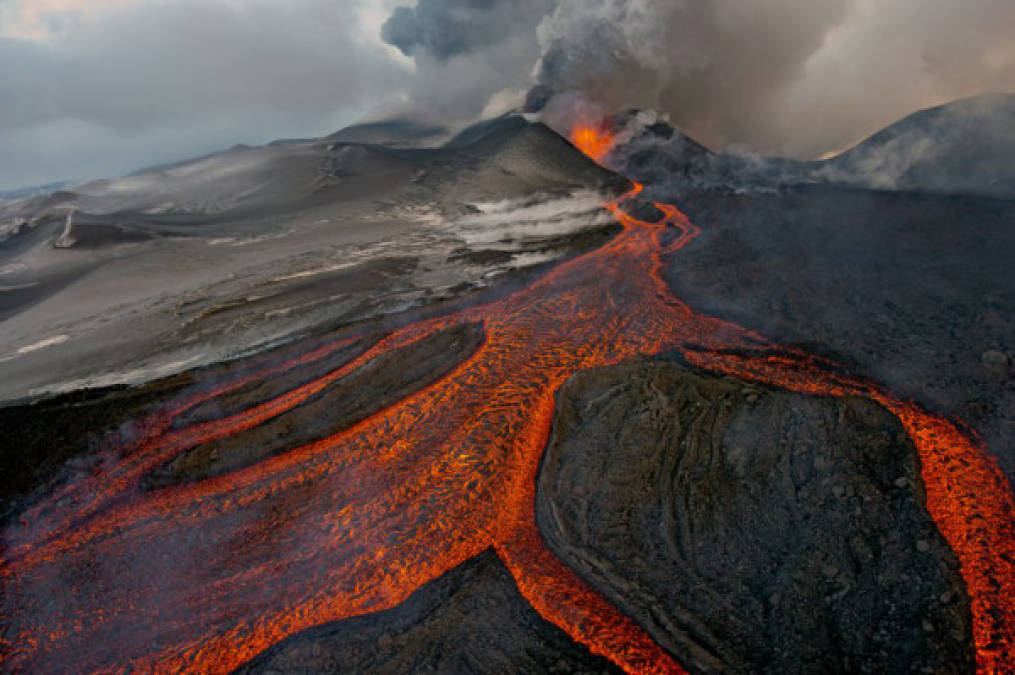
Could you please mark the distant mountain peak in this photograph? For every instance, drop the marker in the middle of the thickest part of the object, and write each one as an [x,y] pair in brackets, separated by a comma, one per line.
[967,146]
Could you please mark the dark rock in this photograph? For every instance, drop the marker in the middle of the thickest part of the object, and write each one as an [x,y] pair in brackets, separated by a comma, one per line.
[471,620]
[905,289]
[261,390]
[708,521]
[995,360]
[379,383]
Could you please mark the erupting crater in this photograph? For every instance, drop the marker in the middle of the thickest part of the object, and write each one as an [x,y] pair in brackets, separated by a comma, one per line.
[595,141]
[204,576]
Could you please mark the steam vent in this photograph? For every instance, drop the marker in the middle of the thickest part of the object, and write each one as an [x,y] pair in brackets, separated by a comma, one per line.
[561,387]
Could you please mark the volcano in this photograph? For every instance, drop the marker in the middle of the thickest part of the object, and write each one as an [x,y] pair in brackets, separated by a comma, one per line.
[521,414]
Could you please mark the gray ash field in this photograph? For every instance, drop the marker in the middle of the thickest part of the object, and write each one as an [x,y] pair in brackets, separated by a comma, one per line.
[121,281]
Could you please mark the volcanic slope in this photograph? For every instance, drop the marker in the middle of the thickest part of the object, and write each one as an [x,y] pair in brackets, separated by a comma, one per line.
[356,522]
[913,289]
[126,280]
[964,147]
[908,280]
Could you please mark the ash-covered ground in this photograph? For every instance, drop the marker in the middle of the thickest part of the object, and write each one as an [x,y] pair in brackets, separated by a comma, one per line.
[745,528]
[125,280]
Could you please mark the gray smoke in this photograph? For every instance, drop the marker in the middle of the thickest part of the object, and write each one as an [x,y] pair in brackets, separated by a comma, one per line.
[771,76]
[779,76]
[446,28]
[472,56]
[718,68]
[113,85]
[887,59]
[149,83]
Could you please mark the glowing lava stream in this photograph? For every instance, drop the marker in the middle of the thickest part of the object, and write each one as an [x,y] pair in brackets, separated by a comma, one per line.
[203,577]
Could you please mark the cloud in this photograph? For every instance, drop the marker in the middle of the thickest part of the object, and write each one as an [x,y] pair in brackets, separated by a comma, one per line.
[136,83]
[44,19]
[444,28]
[887,59]
[101,87]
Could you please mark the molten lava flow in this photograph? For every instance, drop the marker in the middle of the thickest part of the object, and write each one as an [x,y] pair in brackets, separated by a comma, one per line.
[594,141]
[203,577]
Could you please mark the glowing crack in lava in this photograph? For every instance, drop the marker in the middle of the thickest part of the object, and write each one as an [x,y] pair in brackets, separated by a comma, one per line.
[204,576]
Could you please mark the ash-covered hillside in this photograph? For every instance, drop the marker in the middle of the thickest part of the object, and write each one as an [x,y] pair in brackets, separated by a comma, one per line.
[963,147]
[181,265]
[893,258]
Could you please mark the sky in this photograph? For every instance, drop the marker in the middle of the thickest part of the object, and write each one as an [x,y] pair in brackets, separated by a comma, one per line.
[94,88]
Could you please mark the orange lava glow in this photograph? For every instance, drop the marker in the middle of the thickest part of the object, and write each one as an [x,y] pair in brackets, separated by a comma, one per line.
[594,141]
[203,577]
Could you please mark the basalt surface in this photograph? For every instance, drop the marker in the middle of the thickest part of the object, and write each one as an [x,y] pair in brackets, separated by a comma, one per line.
[383,381]
[751,529]
[38,454]
[912,290]
[470,620]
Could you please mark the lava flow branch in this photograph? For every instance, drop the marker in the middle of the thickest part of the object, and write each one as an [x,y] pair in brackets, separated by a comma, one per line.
[205,575]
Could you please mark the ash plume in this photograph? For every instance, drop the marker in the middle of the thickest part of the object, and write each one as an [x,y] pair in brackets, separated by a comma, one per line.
[473,57]
[771,76]
[103,88]
[718,69]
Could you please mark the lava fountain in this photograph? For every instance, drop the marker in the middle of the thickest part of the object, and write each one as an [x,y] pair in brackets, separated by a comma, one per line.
[206,575]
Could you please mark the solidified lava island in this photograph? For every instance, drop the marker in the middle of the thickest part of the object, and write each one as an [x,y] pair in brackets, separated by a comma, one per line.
[485,431]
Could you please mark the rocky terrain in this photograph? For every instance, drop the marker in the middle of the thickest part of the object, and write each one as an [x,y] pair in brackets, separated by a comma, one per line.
[892,258]
[744,528]
[471,620]
[747,528]
[751,530]
[379,384]
[914,290]
[960,148]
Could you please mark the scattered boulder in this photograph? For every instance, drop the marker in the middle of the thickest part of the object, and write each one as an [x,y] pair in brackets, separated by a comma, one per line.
[995,360]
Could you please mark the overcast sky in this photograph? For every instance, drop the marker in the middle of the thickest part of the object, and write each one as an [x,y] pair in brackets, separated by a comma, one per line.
[92,88]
